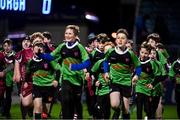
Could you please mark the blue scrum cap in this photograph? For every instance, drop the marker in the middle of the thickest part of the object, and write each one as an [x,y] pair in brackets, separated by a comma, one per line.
[91,36]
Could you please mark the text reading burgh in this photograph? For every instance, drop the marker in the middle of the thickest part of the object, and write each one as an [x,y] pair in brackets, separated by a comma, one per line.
[13,5]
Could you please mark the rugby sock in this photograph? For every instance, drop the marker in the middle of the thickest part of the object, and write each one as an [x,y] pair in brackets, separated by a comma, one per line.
[30,111]
[37,116]
[116,113]
[23,111]
[126,116]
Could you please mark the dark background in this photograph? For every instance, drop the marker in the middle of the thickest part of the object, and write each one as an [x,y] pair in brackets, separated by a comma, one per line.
[112,15]
[144,16]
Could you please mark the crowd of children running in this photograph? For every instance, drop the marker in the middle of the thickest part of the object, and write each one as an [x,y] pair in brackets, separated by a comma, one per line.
[112,75]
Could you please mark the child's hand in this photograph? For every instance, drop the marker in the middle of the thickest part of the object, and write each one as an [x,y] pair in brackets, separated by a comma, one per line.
[2,74]
[106,77]
[149,86]
[55,83]
[17,78]
[97,83]
[70,66]
[134,79]
[87,76]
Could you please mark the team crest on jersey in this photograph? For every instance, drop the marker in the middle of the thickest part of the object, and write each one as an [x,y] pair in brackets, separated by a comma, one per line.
[127,59]
[45,65]
[76,53]
[147,69]
[63,53]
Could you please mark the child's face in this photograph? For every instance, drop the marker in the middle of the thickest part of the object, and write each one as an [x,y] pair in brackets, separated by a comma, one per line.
[152,54]
[121,39]
[37,49]
[95,43]
[26,44]
[152,43]
[143,53]
[101,46]
[128,45]
[69,35]
[91,45]
[107,47]
[7,47]
[47,40]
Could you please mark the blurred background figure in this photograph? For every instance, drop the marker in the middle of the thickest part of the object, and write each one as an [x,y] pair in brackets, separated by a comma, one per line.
[92,42]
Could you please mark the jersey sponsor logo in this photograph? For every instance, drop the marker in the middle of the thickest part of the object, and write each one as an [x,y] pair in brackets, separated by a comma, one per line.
[117,67]
[66,62]
[40,74]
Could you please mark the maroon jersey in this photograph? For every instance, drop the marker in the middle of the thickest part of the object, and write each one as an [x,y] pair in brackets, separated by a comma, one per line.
[51,48]
[2,61]
[25,91]
[2,79]
[23,57]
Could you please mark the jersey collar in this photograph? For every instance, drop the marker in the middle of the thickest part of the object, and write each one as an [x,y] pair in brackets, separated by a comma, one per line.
[119,51]
[70,47]
[144,62]
[98,50]
[36,59]
[178,60]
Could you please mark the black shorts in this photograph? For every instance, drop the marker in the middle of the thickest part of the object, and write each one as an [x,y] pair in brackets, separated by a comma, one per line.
[44,92]
[125,91]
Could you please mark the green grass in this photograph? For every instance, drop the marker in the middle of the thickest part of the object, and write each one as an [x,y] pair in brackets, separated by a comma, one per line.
[169,112]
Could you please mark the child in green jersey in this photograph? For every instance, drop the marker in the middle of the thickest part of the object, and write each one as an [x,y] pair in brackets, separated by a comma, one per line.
[102,107]
[174,74]
[153,40]
[121,60]
[74,58]
[157,90]
[145,83]
[9,57]
[96,54]
[43,78]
